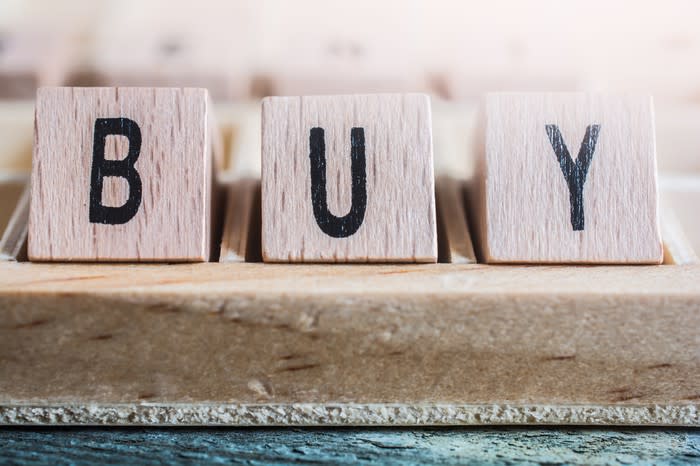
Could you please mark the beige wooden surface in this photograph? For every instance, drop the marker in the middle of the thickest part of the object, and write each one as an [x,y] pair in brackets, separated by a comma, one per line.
[524,207]
[398,224]
[172,222]
[309,344]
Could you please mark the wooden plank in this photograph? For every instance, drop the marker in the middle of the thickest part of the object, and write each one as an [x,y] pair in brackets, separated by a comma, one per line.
[159,211]
[13,240]
[242,221]
[456,247]
[542,199]
[380,207]
[262,344]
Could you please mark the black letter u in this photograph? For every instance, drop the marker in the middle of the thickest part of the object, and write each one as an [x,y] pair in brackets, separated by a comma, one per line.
[338,227]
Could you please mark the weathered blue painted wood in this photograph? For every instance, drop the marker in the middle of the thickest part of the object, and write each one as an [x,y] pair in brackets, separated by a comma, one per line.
[349,446]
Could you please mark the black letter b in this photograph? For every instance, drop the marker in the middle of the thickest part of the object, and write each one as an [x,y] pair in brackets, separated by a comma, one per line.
[100,213]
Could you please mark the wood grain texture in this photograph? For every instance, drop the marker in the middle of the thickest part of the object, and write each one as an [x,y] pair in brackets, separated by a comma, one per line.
[241,221]
[350,446]
[398,224]
[172,222]
[526,212]
[424,344]
[13,239]
[455,239]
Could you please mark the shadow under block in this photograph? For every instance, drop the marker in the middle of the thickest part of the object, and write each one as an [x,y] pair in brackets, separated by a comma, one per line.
[121,174]
[262,344]
[568,178]
[348,179]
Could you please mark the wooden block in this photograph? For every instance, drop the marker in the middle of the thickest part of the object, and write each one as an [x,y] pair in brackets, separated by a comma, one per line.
[13,239]
[121,174]
[242,212]
[455,240]
[568,178]
[348,179]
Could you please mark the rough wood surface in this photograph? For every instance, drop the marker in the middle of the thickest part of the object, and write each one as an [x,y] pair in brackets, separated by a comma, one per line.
[305,344]
[348,179]
[455,240]
[542,199]
[172,218]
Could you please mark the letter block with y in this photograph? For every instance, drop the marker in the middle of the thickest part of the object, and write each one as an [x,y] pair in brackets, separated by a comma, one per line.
[568,178]
[348,179]
[121,174]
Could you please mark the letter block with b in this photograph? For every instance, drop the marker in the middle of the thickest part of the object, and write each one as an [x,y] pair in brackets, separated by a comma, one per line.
[121,174]
[568,178]
[348,179]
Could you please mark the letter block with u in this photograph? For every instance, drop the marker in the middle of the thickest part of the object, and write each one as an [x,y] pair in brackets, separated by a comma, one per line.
[348,179]
[121,174]
[568,178]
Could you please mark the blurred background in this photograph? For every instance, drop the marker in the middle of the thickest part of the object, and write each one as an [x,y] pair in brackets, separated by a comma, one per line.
[453,49]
